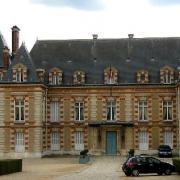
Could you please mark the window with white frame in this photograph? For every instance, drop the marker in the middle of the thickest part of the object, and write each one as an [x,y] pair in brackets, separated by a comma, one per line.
[111,110]
[19,110]
[167,77]
[19,146]
[1,76]
[167,110]
[79,111]
[19,76]
[143,110]
[55,79]
[54,111]
[168,138]
[55,141]
[79,140]
[143,140]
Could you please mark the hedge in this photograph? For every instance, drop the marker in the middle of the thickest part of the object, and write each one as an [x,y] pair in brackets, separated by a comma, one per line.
[176,163]
[8,166]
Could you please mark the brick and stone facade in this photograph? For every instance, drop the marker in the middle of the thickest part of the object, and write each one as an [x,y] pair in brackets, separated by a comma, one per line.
[59,106]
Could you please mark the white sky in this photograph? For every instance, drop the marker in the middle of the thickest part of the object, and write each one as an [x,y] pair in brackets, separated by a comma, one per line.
[116,19]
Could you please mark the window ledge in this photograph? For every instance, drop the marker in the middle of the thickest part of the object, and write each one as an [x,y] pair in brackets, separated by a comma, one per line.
[111,121]
[19,122]
[167,120]
[54,122]
[143,121]
[80,121]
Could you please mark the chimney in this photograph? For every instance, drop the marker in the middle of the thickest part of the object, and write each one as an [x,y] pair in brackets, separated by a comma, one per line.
[130,36]
[6,59]
[95,36]
[15,39]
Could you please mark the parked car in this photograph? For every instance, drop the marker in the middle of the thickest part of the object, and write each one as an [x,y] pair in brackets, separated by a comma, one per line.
[143,164]
[164,150]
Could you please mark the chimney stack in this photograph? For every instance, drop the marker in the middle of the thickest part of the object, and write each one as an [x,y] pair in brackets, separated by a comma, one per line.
[15,39]
[95,36]
[6,59]
[130,36]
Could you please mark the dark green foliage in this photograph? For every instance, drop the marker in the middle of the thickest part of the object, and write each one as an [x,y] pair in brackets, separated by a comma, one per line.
[8,166]
[176,163]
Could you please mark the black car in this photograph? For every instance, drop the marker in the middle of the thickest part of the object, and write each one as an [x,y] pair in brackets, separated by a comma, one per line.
[143,164]
[164,150]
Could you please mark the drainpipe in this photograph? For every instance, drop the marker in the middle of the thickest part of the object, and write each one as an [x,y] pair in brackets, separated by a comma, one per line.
[178,122]
[46,118]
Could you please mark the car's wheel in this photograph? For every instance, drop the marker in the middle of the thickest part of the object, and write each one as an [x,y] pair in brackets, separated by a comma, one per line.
[135,172]
[127,174]
[167,171]
[159,172]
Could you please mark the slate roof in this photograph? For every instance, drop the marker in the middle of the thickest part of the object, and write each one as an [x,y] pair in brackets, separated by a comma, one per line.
[92,57]
[23,57]
[2,45]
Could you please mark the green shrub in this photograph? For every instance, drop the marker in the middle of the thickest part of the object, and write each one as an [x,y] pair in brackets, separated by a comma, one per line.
[8,166]
[176,163]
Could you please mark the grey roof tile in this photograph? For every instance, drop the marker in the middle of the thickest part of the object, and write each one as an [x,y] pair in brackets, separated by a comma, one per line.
[2,45]
[93,58]
[22,56]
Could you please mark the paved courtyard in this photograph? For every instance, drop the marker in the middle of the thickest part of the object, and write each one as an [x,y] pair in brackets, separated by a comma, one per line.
[68,168]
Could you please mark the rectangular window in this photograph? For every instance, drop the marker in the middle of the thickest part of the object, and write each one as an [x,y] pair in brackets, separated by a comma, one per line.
[143,111]
[167,110]
[55,141]
[1,76]
[79,111]
[168,138]
[19,110]
[167,78]
[55,79]
[79,140]
[19,146]
[111,110]
[19,76]
[54,111]
[143,140]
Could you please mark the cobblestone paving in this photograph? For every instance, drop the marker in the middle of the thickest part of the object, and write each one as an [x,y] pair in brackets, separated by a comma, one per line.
[109,168]
[68,168]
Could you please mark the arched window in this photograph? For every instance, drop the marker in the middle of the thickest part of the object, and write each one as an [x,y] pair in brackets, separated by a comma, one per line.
[55,76]
[110,75]
[142,76]
[19,73]
[79,77]
[167,75]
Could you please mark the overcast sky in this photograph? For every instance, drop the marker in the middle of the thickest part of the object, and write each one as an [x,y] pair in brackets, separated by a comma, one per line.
[79,19]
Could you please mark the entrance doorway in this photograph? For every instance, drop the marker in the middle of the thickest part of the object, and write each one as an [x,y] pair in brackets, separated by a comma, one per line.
[111,142]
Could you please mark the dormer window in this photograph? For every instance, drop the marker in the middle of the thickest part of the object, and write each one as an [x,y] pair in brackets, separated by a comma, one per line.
[1,76]
[19,76]
[55,79]
[142,76]
[110,75]
[2,72]
[167,75]
[40,74]
[79,77]
[19,73]
[55,76]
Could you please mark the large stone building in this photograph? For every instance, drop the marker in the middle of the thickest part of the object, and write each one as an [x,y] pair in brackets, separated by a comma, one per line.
[106,95]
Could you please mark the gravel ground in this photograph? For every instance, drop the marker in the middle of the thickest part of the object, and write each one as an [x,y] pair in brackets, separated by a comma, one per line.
[68,168]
